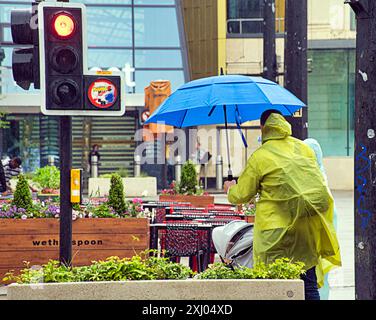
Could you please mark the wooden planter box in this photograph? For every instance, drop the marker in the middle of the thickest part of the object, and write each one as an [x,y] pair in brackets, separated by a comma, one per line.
[161,290]
[197,201]
[37,240]
[250,219]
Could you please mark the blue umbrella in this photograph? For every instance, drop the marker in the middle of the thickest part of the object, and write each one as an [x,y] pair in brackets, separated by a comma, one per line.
[222,100]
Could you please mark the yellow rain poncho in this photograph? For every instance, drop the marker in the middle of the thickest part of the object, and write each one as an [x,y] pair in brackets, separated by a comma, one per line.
[294,214]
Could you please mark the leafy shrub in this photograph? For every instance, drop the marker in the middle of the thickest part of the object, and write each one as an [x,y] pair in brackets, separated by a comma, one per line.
[47,177]
[22,196]
[122,172]
[116,198]
[188,180]
[139,267]
[282,268]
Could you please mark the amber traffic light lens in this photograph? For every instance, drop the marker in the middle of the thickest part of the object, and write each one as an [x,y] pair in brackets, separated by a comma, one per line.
[64,25]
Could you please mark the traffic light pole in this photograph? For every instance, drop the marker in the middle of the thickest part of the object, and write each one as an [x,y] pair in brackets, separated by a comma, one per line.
[65,182]
[365,150]
[270,58]
[65,201]
[296,61]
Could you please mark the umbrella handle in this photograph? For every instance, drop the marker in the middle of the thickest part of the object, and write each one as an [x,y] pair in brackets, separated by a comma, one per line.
[229,175]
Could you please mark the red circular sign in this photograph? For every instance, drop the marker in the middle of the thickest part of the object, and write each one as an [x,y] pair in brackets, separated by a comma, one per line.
[145,115]
[102,93]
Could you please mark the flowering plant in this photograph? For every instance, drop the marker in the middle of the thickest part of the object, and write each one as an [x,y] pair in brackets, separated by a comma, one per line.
[90,209]
[37,210]
[249,209]
[175,189]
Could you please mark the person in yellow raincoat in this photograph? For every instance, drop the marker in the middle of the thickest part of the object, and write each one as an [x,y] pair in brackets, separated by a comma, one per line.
[294,214]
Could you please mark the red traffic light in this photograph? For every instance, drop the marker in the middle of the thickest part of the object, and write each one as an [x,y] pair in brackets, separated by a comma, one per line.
[64,25]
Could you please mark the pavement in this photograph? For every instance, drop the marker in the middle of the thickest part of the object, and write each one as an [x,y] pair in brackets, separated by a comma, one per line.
[341,280]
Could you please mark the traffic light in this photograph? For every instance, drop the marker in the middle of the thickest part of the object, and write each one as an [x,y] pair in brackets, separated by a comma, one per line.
[67,87]
[25,60]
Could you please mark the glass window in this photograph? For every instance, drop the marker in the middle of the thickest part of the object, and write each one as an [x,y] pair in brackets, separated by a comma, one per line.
[106,58]
[104,2]
[7,35]
[252,26]
[239,9]
[109,26]
[331,100]
[154,2]
[352,20]
[143,78]
[156,27]
[158,59]
[5,10]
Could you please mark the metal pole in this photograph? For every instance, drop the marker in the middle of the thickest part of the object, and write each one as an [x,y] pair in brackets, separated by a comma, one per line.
[270,56]
[65,177]
[219,173]
[94,166]
[296,61]
[2,57]
[365,150]
[51,160]
[229,173]
[178,166]
[137,165]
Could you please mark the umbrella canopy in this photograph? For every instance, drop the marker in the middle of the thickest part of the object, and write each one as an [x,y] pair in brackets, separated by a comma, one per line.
[202,102]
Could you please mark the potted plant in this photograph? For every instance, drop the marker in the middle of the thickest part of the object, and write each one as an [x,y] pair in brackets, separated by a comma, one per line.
[48,180]
[29,230]
[249,211]
[146,277]
[188,190]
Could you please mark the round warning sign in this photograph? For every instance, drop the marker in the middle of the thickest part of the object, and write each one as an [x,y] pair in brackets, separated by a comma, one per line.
[145,115]
[102,93]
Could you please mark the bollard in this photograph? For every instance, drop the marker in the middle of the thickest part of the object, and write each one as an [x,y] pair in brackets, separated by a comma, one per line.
[94,166]
[51,160]
[178,166]
[137,165]
[219,173]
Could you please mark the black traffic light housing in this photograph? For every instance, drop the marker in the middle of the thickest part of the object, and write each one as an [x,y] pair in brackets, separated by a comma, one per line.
[25,60]
[67,87]
[63,58]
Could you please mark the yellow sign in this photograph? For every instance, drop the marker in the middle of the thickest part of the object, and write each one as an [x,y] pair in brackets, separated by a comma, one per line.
[75,186]
[104,72]
[298,114]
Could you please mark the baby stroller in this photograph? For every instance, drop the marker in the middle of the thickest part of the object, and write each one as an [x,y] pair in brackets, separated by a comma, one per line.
[234,243]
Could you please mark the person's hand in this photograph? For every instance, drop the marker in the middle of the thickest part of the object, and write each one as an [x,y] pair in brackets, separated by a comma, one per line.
[228,184]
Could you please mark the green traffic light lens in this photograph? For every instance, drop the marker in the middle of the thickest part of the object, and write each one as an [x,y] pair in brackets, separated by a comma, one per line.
[65,92]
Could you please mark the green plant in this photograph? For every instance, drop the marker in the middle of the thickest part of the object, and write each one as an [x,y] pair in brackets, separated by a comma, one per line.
[116,198]
[3,122]
[282,268]
[104,211]
[105,176]
[47,177]
[22,196]
[188,180]
[139,267]
[123,172]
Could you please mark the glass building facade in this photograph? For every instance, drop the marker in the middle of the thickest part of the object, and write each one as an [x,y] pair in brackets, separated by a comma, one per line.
[140,37]
[331,100]
[246,17]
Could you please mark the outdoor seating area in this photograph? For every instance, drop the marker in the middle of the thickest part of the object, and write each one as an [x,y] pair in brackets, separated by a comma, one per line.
[184,230]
